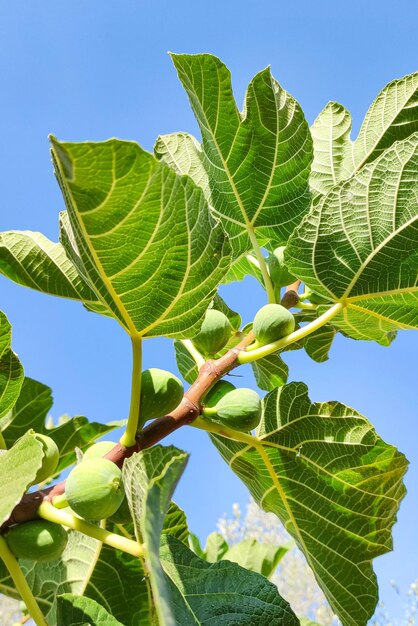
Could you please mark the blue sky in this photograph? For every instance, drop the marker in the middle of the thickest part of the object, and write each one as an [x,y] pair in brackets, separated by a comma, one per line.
[92,70]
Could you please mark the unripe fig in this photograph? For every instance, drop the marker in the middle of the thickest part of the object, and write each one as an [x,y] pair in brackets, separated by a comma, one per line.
[217,392]
[94,489]
[161,392]
[214,333]
[122,515]
[98,449]
[272,322]
[240,409]
[38,540]
[279,273]
[50,458]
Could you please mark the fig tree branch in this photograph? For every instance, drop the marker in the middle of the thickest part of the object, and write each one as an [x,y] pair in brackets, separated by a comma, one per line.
[187,411]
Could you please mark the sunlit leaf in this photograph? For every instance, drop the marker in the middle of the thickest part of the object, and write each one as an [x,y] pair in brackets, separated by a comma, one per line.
[144,235]
[392,116]
[359,246]
[257,161]
[334,484]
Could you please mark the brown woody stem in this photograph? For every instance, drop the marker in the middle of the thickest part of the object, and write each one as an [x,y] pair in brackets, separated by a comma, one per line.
[187,411]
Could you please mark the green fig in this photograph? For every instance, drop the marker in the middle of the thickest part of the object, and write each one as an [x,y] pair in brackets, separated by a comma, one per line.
[50,459]
[38,540]
[94,489]
[161,392]
[214,333]
[272,322]
[239,409]
[217,392]
[279,273]
[98,449]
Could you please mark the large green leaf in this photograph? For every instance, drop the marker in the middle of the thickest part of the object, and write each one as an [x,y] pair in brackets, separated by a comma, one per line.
[31,410]
[257,162]
[11,370]
[359,246]
[79,611]
[223,593]
[391,117]
[335,485]
[31,260]
[26,457]
[144,235]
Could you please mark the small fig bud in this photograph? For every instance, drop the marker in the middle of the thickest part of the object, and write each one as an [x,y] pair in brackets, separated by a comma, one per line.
[217,392]
[214,333]
[272,322]
[94,489]
[161,392]
[279,273]
[38,540]
[239,409]
[50,459]
[98,449]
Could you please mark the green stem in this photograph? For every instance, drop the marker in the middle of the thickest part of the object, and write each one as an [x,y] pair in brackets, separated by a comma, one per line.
[259,353]
[134,424]
[2,443]
[224,431]
[306,306]
[195,354]
[21,584]
[47,511]
[263,267]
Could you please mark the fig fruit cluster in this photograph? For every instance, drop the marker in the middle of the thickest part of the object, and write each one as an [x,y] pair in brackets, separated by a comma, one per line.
[239,409]
[214,333]
[271,323]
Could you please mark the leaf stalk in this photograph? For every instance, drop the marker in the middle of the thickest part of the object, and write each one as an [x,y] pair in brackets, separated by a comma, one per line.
[134,424]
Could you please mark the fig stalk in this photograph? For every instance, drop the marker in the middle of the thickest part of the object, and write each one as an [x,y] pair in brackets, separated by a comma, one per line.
[21,584]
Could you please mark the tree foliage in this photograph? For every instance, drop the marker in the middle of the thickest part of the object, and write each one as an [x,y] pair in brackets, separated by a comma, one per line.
[147,239]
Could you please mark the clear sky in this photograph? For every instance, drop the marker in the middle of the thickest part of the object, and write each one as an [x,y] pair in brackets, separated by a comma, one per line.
[90,70]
